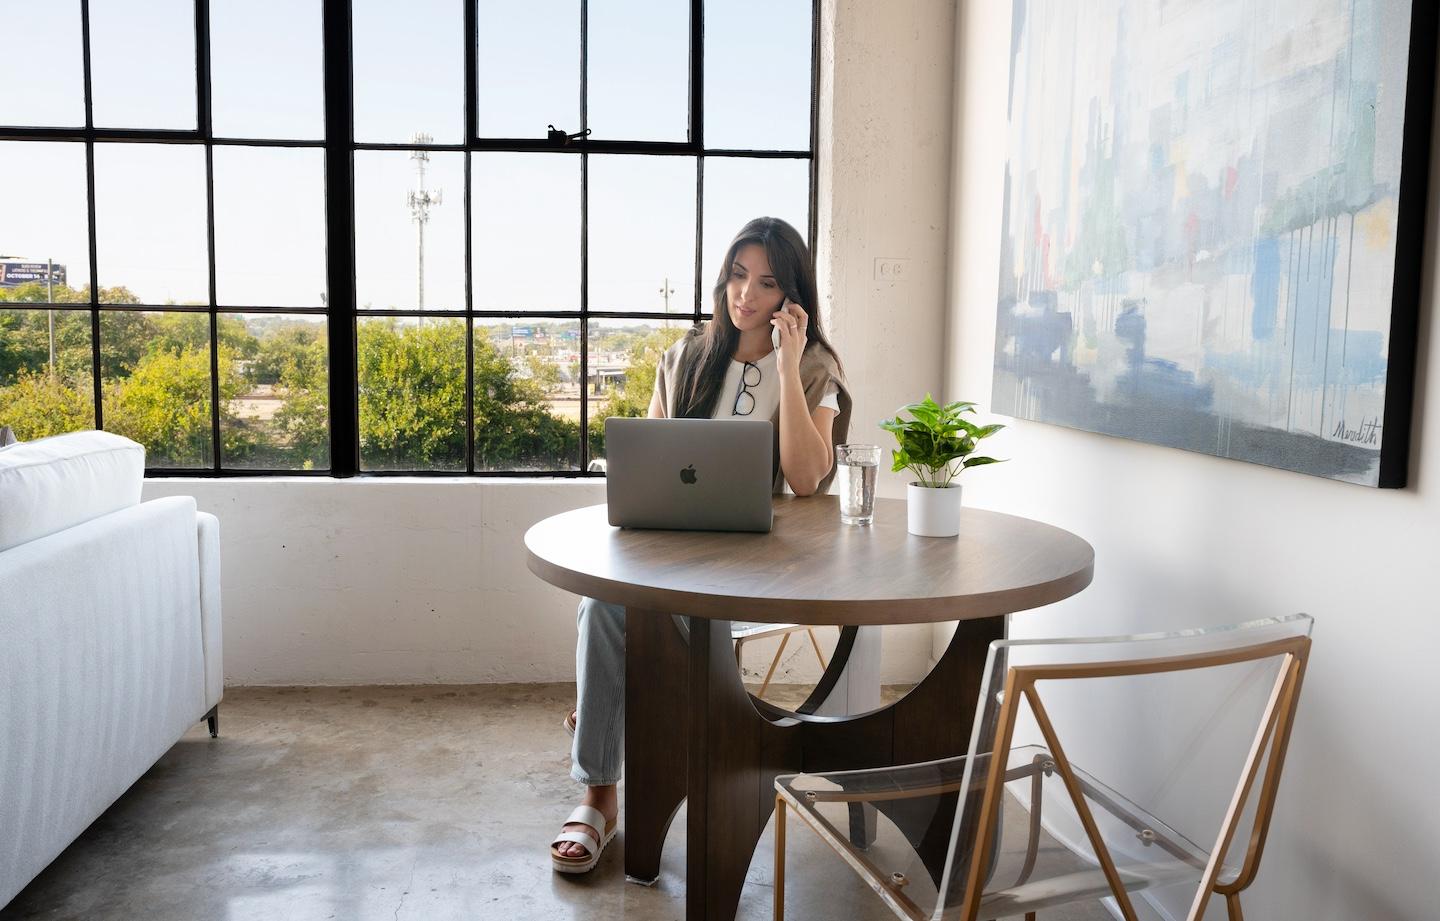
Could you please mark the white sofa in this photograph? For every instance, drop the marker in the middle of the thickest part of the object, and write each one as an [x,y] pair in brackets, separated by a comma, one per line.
[109,637]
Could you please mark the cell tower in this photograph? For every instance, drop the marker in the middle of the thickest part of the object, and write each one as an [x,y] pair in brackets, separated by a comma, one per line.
[665,291]
[420,202]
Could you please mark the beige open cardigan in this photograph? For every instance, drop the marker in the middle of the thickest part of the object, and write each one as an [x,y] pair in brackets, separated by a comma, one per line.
[817,368]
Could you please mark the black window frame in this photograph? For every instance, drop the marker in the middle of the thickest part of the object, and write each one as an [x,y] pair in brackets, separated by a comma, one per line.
[339,147]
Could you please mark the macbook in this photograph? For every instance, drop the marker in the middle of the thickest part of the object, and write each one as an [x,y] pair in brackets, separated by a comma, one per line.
[689,474]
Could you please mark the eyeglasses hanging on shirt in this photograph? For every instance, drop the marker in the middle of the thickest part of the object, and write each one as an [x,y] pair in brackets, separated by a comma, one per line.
[745,400]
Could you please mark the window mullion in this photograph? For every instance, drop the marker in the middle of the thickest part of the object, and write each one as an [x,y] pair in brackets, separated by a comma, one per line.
[469,327]
[95,369]
[699,232]
[472,130]
[340,229]
[206,129]
[697,136]
[584,238]
[214,315]
[472,101]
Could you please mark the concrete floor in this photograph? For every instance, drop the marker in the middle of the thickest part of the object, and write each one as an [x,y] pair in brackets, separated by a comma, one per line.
[386,802]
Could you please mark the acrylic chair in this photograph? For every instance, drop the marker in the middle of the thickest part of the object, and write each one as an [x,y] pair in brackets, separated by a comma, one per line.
[1138,769]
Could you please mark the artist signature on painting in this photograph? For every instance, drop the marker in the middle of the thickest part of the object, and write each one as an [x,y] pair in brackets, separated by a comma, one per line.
[1367,434]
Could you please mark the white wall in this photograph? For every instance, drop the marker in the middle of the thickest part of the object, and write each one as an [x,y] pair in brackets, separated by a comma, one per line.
[401,581]
[393,581]
[887,89]
[884,162]
[1184,539]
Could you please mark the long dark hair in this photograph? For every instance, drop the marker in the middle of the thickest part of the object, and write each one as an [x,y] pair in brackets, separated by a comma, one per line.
[794,273]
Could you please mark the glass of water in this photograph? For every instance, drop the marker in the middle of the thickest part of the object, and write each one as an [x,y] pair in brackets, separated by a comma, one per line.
[856,466]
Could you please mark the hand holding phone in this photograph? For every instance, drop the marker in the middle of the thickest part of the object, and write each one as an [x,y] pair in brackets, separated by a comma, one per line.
[775,330]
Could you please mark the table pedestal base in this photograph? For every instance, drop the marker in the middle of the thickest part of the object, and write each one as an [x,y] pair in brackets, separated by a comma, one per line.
[693,730]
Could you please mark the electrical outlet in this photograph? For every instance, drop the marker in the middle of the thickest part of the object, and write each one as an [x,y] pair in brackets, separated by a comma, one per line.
[891,270]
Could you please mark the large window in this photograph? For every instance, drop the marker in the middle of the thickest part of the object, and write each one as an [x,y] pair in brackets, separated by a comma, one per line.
[356,236]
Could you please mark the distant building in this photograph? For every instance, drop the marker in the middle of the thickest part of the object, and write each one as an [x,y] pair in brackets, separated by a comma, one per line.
[15,272]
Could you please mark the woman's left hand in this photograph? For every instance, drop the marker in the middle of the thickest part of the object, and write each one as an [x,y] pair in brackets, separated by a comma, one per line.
[791,319]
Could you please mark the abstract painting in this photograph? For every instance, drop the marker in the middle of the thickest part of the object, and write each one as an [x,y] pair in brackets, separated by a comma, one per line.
[1212,225]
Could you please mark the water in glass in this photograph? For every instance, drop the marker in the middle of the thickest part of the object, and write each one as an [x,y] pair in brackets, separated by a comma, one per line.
[857,466]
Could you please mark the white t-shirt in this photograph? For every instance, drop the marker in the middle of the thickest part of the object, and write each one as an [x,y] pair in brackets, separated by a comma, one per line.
[766,393]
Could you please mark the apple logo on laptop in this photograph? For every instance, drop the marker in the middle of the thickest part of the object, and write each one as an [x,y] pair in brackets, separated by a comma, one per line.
[687,475]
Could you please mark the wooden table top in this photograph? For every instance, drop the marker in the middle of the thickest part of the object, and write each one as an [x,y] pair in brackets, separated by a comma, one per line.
[813,569]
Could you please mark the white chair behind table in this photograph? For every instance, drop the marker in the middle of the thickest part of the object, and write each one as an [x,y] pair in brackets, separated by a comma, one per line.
[744,632]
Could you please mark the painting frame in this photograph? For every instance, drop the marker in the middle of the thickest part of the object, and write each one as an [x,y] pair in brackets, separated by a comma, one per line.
[1059,375]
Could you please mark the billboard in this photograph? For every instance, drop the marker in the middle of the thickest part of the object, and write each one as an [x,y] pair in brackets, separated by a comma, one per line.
[14,274]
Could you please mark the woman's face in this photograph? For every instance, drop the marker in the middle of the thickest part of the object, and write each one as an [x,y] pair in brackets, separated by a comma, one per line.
[752,292]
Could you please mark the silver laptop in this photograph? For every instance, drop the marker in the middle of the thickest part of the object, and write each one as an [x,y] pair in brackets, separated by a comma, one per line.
[689,474]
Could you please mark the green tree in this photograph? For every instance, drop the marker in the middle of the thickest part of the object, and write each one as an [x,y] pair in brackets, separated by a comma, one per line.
[281,347]
[25,344]
[180,331]
[165,405]
[632,397]
[155,369]
[544,374]
[299,358]
[412,394]
[37,405]
[126,337]
[514,428]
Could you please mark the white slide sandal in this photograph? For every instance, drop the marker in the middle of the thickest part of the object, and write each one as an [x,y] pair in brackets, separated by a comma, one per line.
[584,815]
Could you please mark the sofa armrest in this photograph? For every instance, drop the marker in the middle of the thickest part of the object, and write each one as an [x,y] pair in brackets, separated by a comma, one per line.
[207,528]
[101,671]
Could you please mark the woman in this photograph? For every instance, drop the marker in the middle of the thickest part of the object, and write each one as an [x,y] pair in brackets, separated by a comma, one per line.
[765,295]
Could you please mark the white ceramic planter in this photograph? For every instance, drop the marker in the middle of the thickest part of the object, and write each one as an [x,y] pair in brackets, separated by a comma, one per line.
[933,512]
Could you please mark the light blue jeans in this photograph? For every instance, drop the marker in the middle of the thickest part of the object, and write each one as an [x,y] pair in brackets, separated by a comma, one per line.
[599,748]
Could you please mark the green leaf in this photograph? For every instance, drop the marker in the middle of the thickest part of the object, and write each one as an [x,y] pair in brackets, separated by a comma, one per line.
[982,461]
[934,438]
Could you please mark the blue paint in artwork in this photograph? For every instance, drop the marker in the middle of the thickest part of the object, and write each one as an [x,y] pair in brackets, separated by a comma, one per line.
[1153,382]
[1359,357]
[1163,384]
[1251,369]
[1265,287]
[1312,278]
[1043,334]
[1130,329]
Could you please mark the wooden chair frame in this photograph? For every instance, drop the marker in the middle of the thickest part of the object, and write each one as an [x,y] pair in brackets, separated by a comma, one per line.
[783,631]
[1021,681]
[1040,766]
[1273,733]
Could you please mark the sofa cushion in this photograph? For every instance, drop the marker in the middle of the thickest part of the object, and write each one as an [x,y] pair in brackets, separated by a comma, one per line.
[54,483]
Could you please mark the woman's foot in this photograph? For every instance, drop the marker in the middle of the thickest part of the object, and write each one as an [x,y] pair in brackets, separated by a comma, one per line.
[607,800]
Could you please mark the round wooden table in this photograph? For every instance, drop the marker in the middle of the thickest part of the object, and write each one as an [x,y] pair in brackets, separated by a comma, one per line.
[691,729]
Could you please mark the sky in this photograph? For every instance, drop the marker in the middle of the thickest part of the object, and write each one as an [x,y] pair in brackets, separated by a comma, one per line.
[409,72]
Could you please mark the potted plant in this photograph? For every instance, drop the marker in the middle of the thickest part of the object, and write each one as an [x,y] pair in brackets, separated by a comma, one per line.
[936,444]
